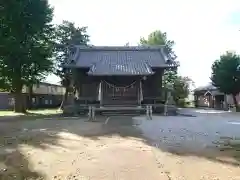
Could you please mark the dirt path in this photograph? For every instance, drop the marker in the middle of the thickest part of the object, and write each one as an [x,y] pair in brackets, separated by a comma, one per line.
[78,150]
[114,158]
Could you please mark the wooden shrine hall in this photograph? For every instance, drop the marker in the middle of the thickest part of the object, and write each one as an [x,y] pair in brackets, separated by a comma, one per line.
[122,77]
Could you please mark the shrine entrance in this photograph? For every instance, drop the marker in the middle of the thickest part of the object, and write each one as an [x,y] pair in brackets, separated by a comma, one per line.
[120,94]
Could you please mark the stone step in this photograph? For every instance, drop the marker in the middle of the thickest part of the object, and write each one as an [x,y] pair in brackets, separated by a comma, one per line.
[120,103]
[117,113]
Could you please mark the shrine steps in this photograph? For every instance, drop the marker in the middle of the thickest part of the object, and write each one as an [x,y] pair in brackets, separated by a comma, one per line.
[120,110]
[120,103]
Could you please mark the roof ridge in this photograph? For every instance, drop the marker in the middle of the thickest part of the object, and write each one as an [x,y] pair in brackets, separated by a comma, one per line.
[114,48]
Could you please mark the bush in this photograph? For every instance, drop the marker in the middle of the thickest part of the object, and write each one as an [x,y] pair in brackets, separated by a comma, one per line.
[181,103]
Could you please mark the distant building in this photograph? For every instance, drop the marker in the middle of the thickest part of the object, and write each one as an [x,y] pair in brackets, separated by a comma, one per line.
[43,95]
[210,96]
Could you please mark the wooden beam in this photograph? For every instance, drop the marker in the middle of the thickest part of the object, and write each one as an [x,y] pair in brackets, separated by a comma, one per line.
[101,93]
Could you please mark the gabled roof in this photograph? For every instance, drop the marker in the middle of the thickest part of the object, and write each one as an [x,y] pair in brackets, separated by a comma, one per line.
[86,56]
[208,87]
[119,60]
[208,90]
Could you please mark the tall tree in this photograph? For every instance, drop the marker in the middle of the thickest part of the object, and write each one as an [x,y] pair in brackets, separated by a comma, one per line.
[226,75]
[67,35]
[160,38]
[25,45]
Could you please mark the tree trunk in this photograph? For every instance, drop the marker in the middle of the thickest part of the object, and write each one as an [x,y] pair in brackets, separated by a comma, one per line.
[30,94]
[65,98]
[235,102]
[20,102]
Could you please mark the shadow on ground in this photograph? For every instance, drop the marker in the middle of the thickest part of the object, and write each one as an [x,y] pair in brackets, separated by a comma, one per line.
[14,165]
[45,133]
[29,116]
[226,150]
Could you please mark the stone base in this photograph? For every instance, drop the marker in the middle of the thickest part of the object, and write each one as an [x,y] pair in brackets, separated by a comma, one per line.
[74,110]
[171,109]
[79,110]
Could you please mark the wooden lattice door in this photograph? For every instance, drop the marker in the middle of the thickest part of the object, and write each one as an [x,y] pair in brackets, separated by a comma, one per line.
[120,95]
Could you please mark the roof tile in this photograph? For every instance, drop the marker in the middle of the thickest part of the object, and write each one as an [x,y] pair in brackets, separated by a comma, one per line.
[108,67]
[87,56]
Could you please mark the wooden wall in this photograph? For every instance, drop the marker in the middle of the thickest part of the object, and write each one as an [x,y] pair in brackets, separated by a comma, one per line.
[152,86]
[46,88]
[88,85]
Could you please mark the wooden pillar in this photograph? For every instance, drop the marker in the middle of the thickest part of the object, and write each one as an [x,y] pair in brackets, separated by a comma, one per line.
[101,93]
[71,93]
[141,92]
[225,103]
[138,93]
[149,112]
[91,113]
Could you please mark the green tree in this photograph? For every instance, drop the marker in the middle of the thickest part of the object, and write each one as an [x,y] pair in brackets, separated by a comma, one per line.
[226,76]
[25,45]
[181,89]
[67,35]
[160,38]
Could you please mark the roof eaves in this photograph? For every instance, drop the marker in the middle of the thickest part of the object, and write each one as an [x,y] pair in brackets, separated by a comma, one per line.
[80,48]
[119,74]
[123,48]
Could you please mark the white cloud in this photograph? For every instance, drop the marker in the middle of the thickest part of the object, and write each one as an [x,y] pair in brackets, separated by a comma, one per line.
[199,28]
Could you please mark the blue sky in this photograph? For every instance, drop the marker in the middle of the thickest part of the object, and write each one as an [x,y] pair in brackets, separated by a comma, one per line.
[201,29]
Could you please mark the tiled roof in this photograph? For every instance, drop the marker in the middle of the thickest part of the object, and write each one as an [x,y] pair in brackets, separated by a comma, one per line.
[118,67]
[84,56]
[205,88]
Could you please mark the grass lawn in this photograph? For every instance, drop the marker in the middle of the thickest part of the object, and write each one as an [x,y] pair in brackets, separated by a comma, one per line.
[32,114]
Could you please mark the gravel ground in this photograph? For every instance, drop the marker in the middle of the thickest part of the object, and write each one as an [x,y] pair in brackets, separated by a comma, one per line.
[199,131]
[175,148]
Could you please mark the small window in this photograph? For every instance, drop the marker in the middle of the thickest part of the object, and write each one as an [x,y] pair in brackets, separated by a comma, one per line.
[46,101]
[50,102]
[60,90]
[11,101]
[33,100]
[34,88]
[53,90]
[49,89]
